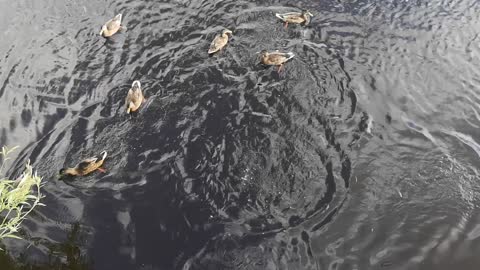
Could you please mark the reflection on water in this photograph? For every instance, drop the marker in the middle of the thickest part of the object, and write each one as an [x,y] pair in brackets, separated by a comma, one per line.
[362,154]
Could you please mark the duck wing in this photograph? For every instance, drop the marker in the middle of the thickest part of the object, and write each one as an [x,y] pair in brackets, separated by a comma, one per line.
[137,97]
[290,16]
[113,24]
[134,96]
[218,42]
[86,163]
[278,58]
[130,97]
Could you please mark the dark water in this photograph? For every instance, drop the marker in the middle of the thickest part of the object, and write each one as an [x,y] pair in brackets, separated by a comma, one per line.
[363,154]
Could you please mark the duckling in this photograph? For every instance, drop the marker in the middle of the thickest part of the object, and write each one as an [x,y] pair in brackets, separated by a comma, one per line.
[112,26]
[219,41]
[295,17]
[86,166]
[134,97]
[275,58]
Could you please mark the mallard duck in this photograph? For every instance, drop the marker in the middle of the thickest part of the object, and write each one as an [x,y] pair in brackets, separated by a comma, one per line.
[275,58]
[112,26]
[134,97]
[86,166]
[219,41]
[295,17]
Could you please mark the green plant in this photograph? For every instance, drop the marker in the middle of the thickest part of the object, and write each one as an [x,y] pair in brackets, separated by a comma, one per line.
[17,198]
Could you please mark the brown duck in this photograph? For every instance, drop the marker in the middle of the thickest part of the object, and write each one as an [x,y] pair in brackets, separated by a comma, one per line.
[86,166]
[295,17]
[112,26]
[219,41]
[275,58]
[134,98]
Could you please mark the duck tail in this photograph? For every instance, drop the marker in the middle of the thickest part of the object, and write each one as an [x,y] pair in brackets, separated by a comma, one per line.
[280,16]
[118,17]
[289,55]
[103,155]
[307,20]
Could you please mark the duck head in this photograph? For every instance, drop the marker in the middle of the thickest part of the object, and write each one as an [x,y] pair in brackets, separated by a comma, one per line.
[63,172]
[263,56]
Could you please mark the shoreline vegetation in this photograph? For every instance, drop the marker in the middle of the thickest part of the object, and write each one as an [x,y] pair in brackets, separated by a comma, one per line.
[18,198]
[66,255]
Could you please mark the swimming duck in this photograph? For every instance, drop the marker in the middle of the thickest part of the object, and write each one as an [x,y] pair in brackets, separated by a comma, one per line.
[135,97]
[112,26]
[219,41]
[86,166]
[275,58]
[295,17]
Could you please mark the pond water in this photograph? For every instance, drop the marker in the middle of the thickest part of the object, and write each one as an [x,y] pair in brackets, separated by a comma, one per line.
[362,154]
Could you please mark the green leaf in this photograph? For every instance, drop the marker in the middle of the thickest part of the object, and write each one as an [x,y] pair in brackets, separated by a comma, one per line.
[13,236]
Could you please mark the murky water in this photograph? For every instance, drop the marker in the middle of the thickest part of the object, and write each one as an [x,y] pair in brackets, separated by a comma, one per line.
[363,154]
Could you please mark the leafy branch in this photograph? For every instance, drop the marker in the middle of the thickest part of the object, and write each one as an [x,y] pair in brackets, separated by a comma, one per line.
[18,198]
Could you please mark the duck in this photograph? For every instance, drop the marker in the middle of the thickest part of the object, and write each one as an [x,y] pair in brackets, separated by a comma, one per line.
[275,58]
[112,26]
[86,166]
[219,41]
[134,98]
[295,17]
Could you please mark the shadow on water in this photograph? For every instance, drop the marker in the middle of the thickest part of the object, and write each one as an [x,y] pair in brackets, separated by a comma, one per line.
[231,165]
[61,256]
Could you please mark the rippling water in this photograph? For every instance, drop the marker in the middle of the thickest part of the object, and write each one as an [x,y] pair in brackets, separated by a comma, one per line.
[363,154]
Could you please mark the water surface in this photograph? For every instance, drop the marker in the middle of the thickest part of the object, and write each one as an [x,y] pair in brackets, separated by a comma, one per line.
[363,154]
